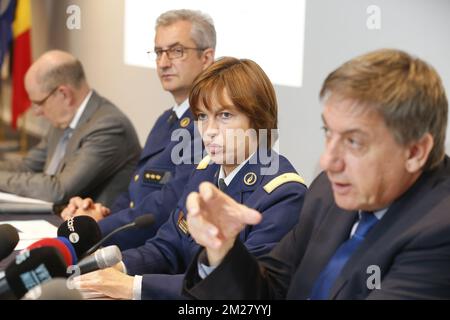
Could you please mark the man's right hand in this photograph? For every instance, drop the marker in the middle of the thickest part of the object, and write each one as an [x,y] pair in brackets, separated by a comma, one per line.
[215,220]
[78,206]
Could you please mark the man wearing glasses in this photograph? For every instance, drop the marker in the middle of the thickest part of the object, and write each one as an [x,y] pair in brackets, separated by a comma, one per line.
[184,46]
[91,147]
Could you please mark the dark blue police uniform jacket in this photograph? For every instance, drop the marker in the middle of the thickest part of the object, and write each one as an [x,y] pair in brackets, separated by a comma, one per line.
[157,183]
[164,258]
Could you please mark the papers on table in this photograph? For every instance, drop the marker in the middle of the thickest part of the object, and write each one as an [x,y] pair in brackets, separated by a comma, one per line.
[31,231]
[9,197]
[11,203]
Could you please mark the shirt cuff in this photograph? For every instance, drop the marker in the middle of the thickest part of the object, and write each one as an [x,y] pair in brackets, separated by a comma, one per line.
[137,288]
[203,268]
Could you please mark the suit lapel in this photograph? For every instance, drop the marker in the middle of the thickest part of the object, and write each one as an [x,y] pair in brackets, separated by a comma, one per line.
[323,245]
[245,181]
[91,107]
[399,216]
[54,136]
[160,136]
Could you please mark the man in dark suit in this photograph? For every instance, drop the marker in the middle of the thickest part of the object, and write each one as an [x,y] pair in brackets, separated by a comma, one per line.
[185,42]
[375,224]
[91,147]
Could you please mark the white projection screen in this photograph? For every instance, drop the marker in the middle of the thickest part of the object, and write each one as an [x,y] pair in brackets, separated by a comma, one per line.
[269,32]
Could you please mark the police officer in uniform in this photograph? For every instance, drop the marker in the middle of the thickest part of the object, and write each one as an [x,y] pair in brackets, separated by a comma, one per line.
[159,179]
[235,105]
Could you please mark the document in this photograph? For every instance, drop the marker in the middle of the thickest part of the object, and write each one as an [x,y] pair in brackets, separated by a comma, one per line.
[11,203]
[31,231]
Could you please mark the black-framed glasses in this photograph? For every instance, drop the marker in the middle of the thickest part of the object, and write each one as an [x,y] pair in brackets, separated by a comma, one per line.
[175,52]
[41,102]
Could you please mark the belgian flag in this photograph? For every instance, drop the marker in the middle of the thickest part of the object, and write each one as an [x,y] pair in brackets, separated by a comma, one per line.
[21,58]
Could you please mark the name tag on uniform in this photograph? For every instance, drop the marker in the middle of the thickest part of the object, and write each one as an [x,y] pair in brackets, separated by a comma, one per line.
[157,176]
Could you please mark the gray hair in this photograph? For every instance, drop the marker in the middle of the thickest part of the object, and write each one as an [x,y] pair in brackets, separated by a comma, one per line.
[70,73]
[203,32]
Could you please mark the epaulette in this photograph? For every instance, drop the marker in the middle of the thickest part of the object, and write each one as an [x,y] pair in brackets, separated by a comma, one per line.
[204,163]
[282,179]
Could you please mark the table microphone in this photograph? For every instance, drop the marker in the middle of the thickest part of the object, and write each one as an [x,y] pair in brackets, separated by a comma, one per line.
[101,259]
[82,231]
[63,246]
[9,237]
[30,269]
[140,222]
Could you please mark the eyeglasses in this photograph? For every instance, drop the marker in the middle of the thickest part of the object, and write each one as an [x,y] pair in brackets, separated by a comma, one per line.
[175,52]
[41,102]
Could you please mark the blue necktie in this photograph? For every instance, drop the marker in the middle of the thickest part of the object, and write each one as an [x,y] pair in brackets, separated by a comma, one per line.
[324,283]
[59,153]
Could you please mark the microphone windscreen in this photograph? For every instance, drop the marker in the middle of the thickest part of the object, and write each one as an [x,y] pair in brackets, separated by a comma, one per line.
[71,249]
[108,256]
[82,231]
[58,245]
[100,259]
[144,221]
[33,267]
[55,289]
[9,237]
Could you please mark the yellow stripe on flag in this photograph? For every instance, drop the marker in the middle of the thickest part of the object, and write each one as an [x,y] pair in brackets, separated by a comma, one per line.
[22,22]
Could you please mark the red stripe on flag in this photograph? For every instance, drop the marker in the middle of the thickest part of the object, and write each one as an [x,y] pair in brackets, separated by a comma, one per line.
[21,63]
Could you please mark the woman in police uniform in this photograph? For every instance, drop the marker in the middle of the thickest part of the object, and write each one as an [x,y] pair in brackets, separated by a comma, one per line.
[235,105]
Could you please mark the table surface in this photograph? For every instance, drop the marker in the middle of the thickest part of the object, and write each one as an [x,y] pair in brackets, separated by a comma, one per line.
[52,218]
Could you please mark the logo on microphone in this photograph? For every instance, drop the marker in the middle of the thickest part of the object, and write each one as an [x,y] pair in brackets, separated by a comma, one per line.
[70,225]
[74,237]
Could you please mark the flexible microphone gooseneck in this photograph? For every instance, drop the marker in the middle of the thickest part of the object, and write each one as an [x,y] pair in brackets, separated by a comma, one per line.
[140,222]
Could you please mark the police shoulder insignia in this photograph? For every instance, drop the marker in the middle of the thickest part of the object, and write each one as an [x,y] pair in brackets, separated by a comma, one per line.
[204,163]
[182,224]
[250,178]
[156,176]
[282,179]
[185,122]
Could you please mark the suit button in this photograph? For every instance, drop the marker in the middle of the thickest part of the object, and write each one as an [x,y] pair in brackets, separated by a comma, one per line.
[136,178]
[131,204]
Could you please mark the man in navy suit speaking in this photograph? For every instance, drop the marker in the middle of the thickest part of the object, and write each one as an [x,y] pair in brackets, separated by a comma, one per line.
[374,225]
